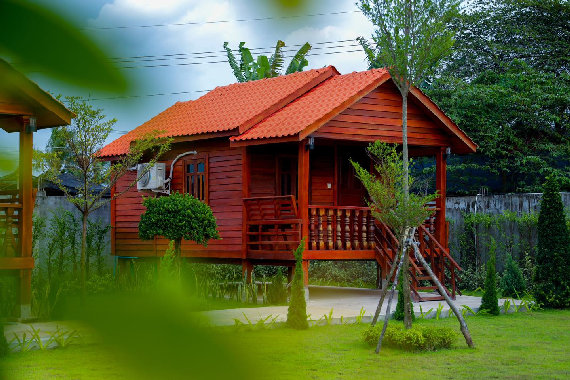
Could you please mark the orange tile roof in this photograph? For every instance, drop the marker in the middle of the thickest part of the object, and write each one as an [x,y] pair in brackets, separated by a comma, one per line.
[237,106]
[316,106]
[290,106]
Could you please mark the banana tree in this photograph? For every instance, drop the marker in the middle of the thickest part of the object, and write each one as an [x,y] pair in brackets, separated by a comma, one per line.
[248,68]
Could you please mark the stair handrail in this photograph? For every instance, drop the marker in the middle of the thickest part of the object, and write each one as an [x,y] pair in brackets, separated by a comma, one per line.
[441,248]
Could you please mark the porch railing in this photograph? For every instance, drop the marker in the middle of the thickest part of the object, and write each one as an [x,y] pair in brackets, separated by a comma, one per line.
[273,225]
[340,228]
[10,208]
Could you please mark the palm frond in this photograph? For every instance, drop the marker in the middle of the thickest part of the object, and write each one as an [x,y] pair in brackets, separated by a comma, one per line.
[263,68]
[277,59]
[247,64]
[298,60]
[233,64]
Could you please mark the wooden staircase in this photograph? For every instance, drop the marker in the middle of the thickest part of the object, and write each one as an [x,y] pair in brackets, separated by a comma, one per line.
[438,257]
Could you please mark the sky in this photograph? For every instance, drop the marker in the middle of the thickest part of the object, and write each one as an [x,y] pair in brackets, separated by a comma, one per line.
[188,59]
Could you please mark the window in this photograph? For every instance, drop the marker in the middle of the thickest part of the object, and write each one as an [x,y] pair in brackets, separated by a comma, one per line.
[196,177]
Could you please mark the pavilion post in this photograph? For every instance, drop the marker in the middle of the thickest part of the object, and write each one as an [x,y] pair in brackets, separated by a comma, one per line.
[303,200]
[441,187]
[27,202]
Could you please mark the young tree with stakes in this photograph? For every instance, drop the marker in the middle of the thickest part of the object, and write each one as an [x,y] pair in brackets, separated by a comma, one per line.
[410,40]
[83,139]
[386,200]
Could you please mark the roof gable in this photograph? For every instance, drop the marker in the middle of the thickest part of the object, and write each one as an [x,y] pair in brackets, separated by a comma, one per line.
[317,106]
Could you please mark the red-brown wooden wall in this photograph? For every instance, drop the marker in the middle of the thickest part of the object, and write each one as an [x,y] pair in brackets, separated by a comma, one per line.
[225,198]
[378,115]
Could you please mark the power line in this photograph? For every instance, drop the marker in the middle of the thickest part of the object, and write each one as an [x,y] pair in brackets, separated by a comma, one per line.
[268,18]
[233,50]
[225,60]
[193,91]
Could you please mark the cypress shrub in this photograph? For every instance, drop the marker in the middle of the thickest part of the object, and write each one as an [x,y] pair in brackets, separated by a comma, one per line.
[490,301]
[399,313]
[552,285]
[512,282]
[276,291]
[297,311]
[3,341]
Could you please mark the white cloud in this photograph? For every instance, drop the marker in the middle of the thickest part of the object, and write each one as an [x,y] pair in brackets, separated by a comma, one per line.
[202,37]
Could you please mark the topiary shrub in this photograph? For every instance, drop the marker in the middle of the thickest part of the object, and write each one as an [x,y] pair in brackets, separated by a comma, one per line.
[417,338]
[490,301]
[399,313]
[176,217]
[297,311]
[552,275]
[512,282]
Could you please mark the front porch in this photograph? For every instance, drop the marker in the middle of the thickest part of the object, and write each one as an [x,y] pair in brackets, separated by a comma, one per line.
[316,196]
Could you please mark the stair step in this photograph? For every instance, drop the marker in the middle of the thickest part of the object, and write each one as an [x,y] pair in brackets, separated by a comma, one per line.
[420,278]
[435,298]
[426,287]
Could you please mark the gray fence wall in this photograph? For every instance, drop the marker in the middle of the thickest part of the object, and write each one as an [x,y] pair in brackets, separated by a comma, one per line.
[457,207]
[46,206]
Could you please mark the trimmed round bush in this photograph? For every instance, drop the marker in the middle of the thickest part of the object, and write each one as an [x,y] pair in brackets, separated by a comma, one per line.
[418,338]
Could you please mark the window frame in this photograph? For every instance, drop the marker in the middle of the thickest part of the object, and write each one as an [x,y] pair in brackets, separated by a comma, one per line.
[196,159]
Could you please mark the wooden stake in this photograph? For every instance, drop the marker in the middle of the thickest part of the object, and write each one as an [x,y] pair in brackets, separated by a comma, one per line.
[463,325]
[394,284]
[385,291]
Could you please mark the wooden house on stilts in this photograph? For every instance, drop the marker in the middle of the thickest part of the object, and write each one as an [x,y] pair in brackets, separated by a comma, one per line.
[271,158]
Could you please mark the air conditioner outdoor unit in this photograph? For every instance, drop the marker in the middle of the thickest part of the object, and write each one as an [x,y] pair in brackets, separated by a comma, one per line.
[153,179]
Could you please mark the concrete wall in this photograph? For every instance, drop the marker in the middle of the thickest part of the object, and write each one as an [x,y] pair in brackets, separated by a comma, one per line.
[457,207]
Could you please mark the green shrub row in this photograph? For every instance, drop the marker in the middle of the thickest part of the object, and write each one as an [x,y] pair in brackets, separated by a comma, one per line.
[418,338]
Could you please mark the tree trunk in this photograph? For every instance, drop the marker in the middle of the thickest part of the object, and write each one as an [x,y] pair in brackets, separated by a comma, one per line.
[83,278]
[394,284]
[462,324]
[406,285]
[405,160]
[406,185]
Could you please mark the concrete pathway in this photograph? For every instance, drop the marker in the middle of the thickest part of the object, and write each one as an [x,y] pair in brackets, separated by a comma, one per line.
[348,303]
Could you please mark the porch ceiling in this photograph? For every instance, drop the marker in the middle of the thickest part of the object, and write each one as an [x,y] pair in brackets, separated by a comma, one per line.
[20,97]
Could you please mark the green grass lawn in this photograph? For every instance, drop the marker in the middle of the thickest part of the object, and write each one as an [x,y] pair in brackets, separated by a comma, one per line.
[522,345]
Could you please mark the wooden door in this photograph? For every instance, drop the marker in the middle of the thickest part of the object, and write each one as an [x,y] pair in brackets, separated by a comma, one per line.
[286,173]
[350,189]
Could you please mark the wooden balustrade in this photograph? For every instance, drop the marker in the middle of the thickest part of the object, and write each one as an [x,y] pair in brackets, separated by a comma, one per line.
[340,228]
[10,209]
[273,226]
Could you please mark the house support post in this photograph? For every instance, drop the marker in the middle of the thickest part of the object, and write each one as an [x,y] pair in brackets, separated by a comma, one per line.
[247,269]
[441,186]
[303,202]
[27,202]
